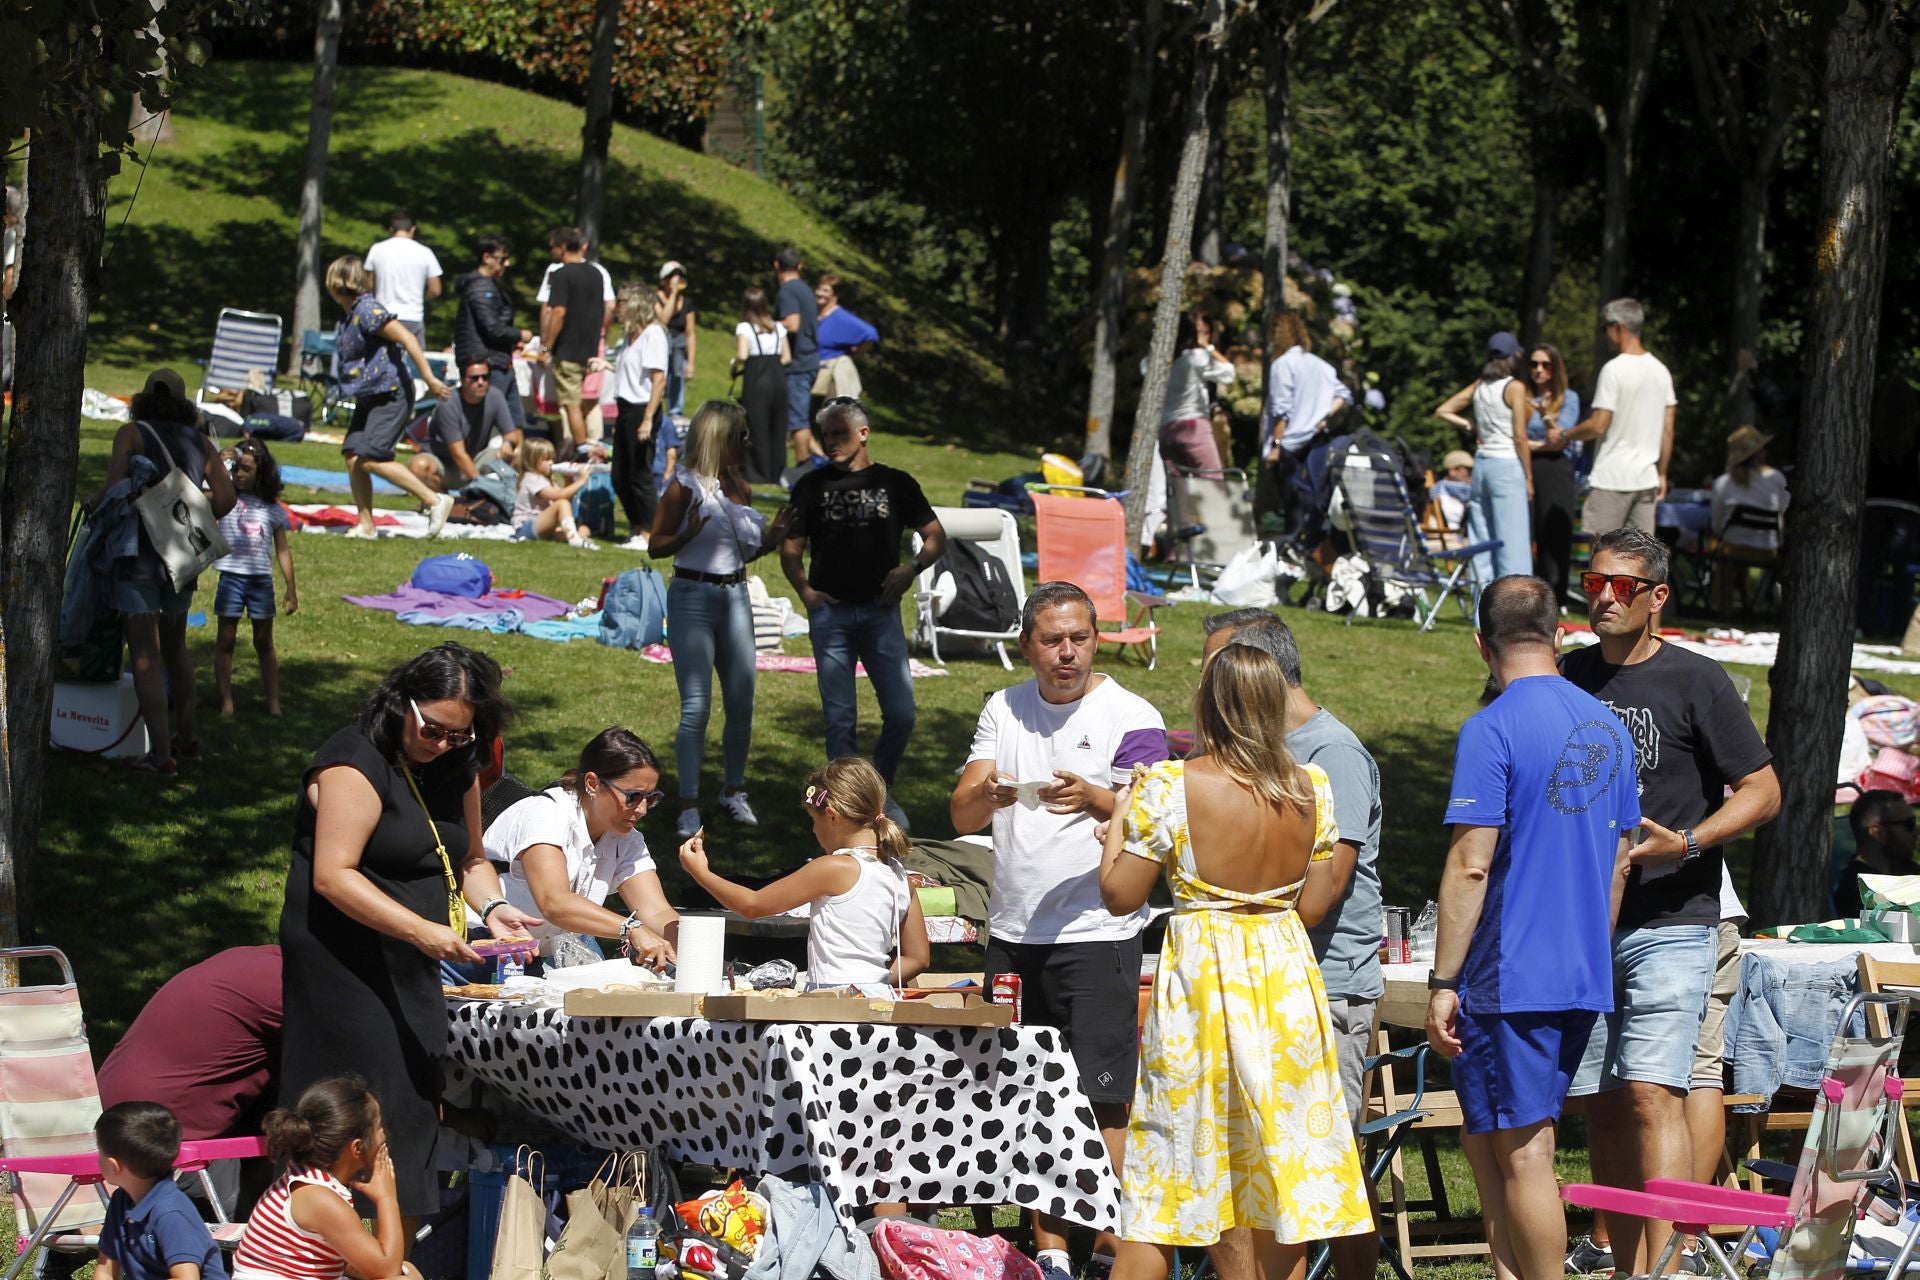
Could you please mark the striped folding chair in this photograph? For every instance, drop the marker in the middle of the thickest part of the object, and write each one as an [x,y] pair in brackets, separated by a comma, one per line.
[49,1102]
[243,342]
[1850,1146]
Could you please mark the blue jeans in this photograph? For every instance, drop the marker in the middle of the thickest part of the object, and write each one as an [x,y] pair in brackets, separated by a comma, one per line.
[711,626]
[1498,509]
[844,634]
[502,380]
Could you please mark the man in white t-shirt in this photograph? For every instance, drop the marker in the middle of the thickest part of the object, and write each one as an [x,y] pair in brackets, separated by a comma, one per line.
[405,274]
[1047,758]
[1633,420]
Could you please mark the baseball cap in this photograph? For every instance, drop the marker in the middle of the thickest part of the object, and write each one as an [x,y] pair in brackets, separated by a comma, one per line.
[1456,458]
[668,268]
[166,382]
[1503,344]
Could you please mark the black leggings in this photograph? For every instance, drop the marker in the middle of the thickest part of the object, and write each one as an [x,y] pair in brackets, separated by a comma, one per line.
[1553,520]
[633,468]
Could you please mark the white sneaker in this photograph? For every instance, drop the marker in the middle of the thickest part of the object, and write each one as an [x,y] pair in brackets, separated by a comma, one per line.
[437,516]
[688,824]
[638,542]
[585,544]
[735,804]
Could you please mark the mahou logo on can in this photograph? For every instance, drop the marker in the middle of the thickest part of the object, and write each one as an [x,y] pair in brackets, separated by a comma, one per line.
[1006,990]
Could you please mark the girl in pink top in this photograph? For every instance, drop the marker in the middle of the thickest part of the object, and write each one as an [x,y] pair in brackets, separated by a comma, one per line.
[305,1226]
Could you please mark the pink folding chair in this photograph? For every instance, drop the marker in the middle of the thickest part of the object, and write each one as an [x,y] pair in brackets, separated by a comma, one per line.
[1850,1145]
[49,1101]
[1085,543]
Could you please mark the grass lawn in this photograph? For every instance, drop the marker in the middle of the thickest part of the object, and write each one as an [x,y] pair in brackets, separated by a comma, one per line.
[138,877]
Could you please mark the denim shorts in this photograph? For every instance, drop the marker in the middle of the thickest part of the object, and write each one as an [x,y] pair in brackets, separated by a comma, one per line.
[1661,977]
[250,594]
[150,595]
[1513,1068]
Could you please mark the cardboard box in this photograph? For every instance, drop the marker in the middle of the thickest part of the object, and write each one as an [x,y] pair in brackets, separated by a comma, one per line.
[934,981]
[588,1003]
[953,1009]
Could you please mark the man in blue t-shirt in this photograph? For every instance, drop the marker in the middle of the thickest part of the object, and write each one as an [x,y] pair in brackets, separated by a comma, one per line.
[1544,794]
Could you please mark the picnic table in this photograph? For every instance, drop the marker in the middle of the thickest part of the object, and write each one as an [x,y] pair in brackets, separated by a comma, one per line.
[929,1115]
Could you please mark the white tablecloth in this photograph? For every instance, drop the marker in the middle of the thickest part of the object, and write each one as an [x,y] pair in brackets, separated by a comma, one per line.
[930,1115]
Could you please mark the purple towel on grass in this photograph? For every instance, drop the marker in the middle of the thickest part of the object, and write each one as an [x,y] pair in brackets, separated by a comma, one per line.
[531,606]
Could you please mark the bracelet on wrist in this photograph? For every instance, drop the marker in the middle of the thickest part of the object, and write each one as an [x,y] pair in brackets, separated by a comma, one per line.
[488,907]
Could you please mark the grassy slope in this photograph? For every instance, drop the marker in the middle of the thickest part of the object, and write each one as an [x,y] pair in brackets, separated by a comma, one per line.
[139,878]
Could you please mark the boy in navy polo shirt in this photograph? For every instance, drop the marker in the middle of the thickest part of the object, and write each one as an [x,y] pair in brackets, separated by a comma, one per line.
[152,1231]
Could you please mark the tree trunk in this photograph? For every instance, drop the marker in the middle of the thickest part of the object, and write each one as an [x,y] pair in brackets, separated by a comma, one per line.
[144,127]
[1870,56]
[1749,278]
[1539,280]
[1277,98]
[1212,215]
[1177,257]
[1613,232]
[596,135]
[326,60]
[1110,289]
[40,461]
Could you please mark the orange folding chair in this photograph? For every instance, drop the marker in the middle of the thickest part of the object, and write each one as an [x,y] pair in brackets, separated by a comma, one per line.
[1085,543]
[49,1101]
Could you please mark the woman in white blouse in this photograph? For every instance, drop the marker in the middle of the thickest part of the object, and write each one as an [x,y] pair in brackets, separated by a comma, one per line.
[1186,423]
[572,845]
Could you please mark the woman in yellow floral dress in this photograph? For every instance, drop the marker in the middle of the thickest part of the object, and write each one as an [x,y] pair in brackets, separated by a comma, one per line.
[1238,1119]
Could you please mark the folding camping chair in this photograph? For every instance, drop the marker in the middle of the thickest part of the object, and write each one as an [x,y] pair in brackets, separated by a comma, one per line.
[244,343]
[1386,532]
[49,1102]
[1082,537]
[1381,1138]
[1211,514]
[1850,1145]
[993,533]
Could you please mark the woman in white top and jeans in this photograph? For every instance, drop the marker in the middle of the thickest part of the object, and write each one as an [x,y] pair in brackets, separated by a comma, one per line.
[1186,424]
[571,845]
[1502,465]
[707,523]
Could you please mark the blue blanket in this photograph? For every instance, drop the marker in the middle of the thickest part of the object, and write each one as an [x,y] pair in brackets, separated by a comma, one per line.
[329,481]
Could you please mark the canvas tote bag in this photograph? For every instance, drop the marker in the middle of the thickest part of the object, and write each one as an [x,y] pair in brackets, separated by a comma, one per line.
[179,521]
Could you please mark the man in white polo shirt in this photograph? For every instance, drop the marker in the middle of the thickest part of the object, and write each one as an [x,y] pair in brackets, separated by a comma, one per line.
[1047,757]
[405,274]
[1632,419]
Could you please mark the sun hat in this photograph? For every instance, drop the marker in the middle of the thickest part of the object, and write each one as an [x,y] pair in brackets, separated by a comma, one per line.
[668,268]
[1456,458]
[1743,443]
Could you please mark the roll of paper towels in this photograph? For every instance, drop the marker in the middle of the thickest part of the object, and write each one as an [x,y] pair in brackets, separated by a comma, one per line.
[701,955]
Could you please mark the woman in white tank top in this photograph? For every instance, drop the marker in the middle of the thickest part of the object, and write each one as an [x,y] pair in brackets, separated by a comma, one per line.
[707,523]
[1502,468]
[865,927]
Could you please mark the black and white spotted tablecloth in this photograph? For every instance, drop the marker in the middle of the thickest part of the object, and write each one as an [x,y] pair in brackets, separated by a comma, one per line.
[929,1115]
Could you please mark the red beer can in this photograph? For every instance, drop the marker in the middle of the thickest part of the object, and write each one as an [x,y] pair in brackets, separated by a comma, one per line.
[1006,990]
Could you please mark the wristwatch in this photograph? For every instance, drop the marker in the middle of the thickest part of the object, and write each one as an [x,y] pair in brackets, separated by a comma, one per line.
[1693,846]
[1437,983]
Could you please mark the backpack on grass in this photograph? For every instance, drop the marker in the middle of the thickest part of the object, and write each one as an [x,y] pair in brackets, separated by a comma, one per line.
[633,610]
[455,575]
[983,595]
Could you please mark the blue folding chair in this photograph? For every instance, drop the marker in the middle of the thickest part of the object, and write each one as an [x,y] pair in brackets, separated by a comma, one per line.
[1386,532]
[244,342]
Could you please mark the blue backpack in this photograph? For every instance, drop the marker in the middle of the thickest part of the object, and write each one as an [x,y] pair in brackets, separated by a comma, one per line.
[634,613]
[456,575]
[593,506]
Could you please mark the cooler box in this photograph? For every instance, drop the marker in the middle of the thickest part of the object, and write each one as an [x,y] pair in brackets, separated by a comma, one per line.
[98,719]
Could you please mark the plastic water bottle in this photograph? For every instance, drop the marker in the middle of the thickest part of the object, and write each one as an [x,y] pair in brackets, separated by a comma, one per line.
[643,1246]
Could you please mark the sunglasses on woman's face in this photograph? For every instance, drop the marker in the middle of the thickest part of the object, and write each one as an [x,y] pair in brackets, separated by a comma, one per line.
[1541,364]
[636,797]
[815,799]
[438,732]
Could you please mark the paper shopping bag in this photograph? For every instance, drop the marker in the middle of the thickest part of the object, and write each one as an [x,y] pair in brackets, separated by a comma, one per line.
[520,1246]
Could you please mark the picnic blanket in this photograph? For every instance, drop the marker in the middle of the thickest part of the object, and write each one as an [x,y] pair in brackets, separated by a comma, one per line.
[1759,648]
[317,517]
[794,663]
[330,481]
[437,608]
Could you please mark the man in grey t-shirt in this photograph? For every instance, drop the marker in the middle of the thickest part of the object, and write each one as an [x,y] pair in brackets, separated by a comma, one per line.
[461,434]
[1347,939]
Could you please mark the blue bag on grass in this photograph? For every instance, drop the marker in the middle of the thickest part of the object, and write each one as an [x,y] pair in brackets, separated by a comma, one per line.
[634,612]
[593,506]
[456,575]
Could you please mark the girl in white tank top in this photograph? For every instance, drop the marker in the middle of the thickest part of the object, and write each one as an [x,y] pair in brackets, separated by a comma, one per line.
[866,930]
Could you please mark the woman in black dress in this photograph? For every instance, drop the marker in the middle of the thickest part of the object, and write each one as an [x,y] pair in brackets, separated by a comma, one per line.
[388,823]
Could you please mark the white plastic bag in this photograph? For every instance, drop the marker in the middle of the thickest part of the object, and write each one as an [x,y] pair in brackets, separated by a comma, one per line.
[1247,579]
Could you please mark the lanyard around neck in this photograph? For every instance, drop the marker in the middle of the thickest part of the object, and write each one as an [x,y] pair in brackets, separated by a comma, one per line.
[456,905]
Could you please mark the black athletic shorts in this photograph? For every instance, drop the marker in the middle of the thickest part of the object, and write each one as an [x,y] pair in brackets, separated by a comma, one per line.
[1091,991]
